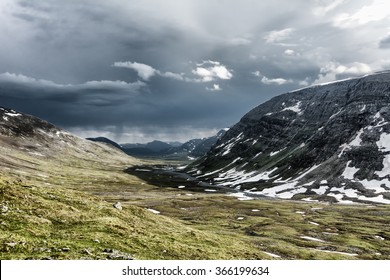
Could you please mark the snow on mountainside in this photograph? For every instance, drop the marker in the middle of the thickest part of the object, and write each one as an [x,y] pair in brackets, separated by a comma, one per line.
[325,142]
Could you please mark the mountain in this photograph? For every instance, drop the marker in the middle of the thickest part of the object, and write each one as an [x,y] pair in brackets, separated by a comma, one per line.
[205,144]
[325,142]
[22,133]
[191,148]
[154,148]
[105,140]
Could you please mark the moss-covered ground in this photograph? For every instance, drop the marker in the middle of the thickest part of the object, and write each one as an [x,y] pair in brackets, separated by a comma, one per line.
[61,207]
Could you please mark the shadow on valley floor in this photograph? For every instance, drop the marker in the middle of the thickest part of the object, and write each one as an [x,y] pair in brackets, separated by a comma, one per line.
[165,176]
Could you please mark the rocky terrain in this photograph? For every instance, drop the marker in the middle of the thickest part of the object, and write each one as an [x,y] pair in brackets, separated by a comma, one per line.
[326,142]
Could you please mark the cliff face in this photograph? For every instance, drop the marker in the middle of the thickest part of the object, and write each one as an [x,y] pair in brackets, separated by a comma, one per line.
[327,142]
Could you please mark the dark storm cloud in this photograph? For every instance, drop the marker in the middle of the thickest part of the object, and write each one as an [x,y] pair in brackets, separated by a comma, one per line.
[95,93]
[139,70]
[385,42]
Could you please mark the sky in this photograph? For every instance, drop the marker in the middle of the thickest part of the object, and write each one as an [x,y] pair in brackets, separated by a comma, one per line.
[170,70]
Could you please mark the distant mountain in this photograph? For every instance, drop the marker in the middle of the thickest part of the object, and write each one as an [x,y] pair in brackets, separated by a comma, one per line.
[105,140]
[191,148]
[154,148]
[205,144]
[325,142]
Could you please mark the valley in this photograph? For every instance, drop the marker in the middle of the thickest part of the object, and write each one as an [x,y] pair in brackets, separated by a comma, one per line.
[289,181]
[67,212]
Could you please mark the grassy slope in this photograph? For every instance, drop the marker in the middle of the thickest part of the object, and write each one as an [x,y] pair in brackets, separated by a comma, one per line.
[58,223]
[44,214]
[278,226]
[48,217]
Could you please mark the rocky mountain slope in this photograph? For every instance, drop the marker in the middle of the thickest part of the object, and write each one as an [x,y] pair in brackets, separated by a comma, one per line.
[324,142]
[33,137]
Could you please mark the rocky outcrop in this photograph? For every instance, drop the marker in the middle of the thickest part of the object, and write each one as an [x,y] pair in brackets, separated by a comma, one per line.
[326,142]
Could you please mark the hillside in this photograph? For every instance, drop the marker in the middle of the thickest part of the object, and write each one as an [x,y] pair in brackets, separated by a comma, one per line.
[327,142]
[48,182]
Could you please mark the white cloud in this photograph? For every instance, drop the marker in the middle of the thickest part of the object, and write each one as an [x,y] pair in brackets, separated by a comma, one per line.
[204,62]
[332,70]
[377,11]
[276,36]
[271,81]
[257,73]
[171,75]
[208,71]
[145,71]
[276,81]
[289,52]
[215,87]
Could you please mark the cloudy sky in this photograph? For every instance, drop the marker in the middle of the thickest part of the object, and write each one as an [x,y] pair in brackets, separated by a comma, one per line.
[135,71]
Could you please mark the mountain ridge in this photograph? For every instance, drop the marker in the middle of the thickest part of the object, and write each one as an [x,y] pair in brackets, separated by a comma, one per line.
[192,148]
[328,142]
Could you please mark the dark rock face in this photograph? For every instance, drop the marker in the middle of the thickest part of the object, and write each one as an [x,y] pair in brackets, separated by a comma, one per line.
[105,140]
[337,134]
[16,124]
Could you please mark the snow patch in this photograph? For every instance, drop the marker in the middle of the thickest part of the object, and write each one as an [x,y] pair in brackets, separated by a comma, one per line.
[375,185]
[286,191]
[357,141]
[311,238]
[335,114]
[377,199]
[276,152]
[349,171]
[379,237]
[12,115]
[271,255]
[309,199]
[240,196]
[384,142]
[295,108]
[337,252]
[386,167]
[321,190]
[153,211]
